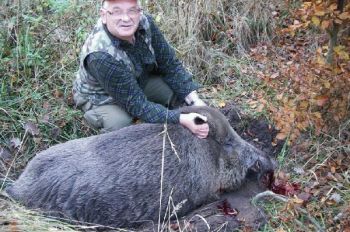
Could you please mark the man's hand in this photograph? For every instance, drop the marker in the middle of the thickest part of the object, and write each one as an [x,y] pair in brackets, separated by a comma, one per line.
[188,121]
[193,99]
[199,102]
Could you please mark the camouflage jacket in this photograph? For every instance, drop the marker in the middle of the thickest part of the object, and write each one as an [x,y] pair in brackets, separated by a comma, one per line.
[86,87]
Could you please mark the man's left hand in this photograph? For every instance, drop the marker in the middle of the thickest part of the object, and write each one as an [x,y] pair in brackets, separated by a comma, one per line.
[200,130]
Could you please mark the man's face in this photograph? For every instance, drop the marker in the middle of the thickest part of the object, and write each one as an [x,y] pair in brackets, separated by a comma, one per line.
[121,17]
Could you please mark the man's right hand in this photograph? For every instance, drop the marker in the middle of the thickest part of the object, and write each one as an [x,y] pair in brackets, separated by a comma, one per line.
[188,121]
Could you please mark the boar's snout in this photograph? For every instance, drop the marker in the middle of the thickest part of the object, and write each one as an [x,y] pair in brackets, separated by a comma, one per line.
[263,169]
[260,166]
[263,164]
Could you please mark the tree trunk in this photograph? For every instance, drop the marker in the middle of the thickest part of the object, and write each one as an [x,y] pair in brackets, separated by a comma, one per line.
[333,34]
[333,38]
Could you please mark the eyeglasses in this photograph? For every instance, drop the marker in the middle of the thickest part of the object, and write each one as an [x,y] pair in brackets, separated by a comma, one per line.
[118,13]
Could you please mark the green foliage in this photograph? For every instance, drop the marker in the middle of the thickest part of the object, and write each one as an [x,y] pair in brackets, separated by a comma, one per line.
[40,42]
[38,60]
[208,33]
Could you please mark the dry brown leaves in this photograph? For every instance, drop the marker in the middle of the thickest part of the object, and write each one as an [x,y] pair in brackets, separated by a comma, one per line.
[309,93]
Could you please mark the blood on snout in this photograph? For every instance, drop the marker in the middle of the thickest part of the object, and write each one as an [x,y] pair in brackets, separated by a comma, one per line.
[267,179]
[279,186]
[226,209]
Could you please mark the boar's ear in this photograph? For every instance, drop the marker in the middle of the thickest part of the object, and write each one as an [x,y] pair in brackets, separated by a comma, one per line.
[218,125]
[202,110]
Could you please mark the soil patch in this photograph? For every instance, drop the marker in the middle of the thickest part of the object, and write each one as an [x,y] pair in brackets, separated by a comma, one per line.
[258,132]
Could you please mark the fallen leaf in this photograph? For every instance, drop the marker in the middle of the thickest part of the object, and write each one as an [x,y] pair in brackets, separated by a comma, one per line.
[304,196]
[315,20]
[46,105]
[282,176]
[37,140]
[279,96]
[5,154]
[321,100]
[317,115]
[280,230]
[344,16]
[31,128]
[333,169]
[46,118]
[296,22]
[281,136]
[57,93]
[325,24]
[338,21]
[15,143]
[274,13]
[304,104]
[222,104]
[260,108]
[297,200]
[275,75]
[326,84]
[320,13]
[321,61]
[342,52]
[14,226]
[336,197]
[333,6]
[55,132]
[298,170]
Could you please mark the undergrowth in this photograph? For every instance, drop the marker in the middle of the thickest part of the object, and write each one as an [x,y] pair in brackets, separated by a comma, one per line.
[40,42]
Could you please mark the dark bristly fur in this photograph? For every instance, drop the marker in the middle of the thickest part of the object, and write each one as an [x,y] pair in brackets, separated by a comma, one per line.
[114,179]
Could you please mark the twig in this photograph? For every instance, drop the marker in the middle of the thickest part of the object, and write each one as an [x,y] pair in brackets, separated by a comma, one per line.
[8,114]
[162,176]
[167,211]
[201,217]
[285,199]
[2,109]
[173,146]
[267,194]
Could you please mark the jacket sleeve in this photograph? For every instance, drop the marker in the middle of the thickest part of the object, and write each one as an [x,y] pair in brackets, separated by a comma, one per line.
[174,73]
[119,83]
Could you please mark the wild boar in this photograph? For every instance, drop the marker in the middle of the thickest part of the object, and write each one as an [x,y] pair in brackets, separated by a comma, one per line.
[114,179]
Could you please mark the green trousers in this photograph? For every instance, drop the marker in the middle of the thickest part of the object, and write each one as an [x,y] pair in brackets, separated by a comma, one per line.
[113,117]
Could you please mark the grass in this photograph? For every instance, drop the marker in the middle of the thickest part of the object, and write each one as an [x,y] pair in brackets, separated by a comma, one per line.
[330,195]
[18,218]
[26,220]
[203,32]
[39,50]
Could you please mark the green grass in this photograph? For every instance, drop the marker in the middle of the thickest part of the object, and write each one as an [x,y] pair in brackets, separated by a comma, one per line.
[39,51]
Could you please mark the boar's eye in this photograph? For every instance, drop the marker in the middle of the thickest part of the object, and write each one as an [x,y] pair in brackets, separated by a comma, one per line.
[257,166]
[228,145]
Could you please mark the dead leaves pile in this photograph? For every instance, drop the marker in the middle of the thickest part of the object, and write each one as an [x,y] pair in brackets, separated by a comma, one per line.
[307,91]
[301,91]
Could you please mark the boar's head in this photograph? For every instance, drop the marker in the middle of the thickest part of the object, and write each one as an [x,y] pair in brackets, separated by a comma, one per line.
[236,157]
